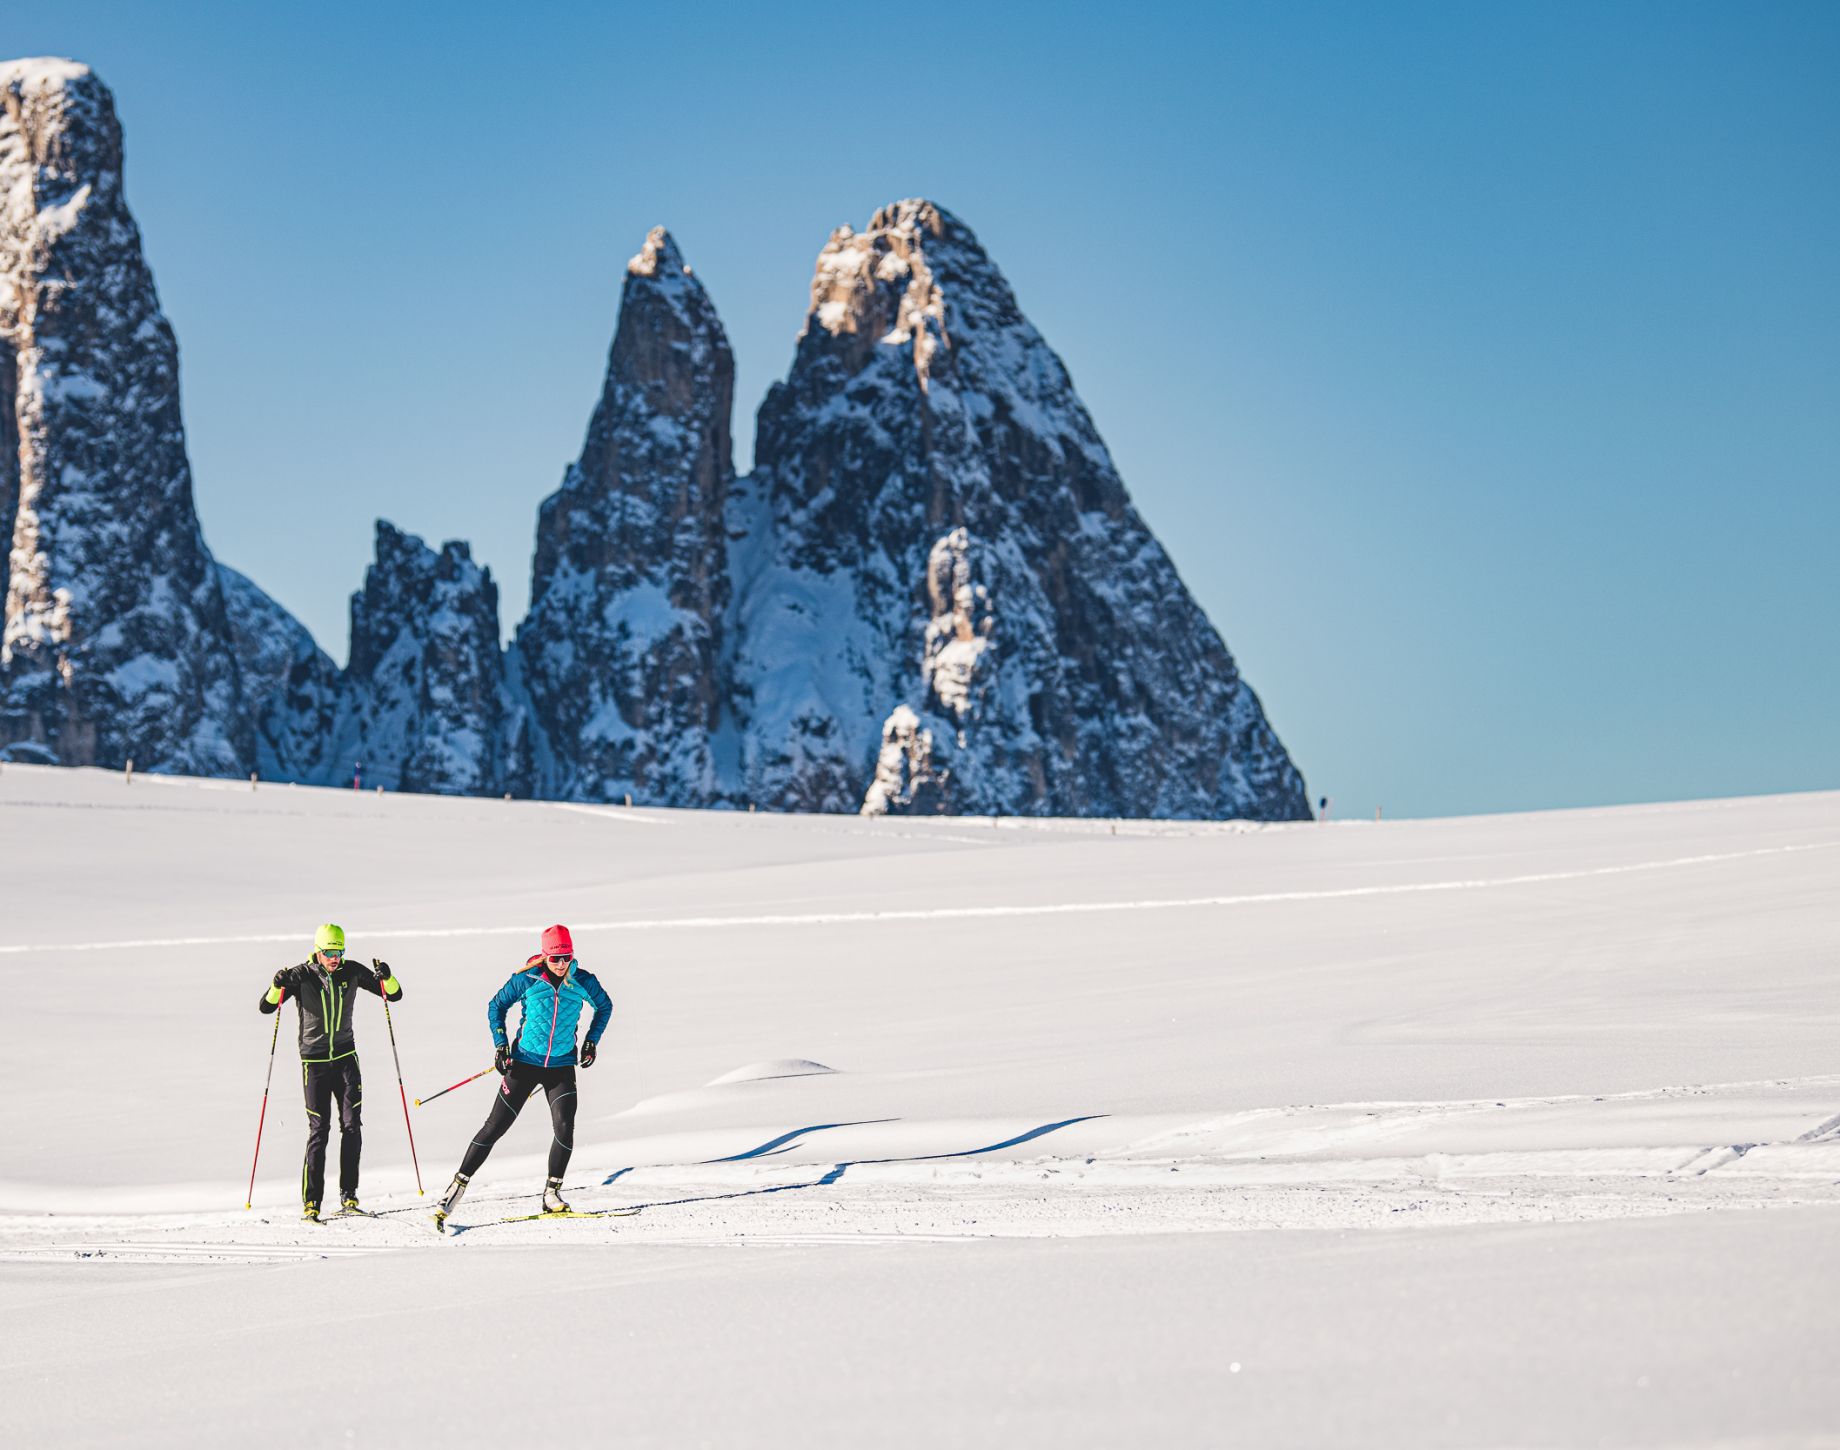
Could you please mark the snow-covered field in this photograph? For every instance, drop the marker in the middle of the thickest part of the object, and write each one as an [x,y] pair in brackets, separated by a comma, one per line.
[1516,1130]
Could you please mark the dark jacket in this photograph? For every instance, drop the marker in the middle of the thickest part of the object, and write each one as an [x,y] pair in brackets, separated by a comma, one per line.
[324,999]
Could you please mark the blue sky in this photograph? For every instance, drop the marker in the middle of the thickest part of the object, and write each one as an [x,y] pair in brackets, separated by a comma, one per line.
[1479,365]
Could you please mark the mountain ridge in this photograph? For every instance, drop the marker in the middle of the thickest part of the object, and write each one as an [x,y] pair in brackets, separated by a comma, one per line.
[931,593]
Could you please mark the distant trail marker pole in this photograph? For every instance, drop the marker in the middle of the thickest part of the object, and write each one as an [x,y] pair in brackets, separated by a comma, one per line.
[446,1090]
[249,1199]
[402,1093]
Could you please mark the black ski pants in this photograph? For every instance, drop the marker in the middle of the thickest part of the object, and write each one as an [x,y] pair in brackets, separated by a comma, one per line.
[327,1083]
[514,1090]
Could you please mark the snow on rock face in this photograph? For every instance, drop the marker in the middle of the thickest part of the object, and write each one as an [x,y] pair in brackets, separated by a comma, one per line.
[290,684]
[620,654]
[934,525]
[905,778]
[932,594]
[117,644]
[423,704]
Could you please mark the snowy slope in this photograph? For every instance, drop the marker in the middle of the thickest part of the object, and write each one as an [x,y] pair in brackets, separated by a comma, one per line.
[1587,1054]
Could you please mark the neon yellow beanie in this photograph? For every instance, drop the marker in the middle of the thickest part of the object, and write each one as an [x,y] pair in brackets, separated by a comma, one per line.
[329,938]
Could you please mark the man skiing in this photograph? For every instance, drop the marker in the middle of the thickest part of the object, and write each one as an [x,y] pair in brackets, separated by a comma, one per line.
[553,989]
[323,987]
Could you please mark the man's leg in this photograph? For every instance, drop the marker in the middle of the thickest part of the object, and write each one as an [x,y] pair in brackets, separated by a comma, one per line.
[514,1089]
[561,1094]
[348,1088]
[316,1084]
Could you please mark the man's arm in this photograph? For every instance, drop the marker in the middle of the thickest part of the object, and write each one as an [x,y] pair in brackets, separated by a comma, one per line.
[381,979]
[277,990]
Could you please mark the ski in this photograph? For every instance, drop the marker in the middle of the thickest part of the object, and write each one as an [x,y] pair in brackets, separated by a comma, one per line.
[572,1213]
[440,1219]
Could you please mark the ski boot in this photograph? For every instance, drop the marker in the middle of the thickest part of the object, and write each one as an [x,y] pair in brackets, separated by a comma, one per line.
[349,1204]
[552,1197]
[455,1191]
[309,1212]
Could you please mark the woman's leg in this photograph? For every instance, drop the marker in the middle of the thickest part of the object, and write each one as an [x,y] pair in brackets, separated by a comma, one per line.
[561,1094]
[514,1090]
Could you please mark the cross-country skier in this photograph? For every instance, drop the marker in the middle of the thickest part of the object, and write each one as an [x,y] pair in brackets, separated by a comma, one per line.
[323,987]
[553,989]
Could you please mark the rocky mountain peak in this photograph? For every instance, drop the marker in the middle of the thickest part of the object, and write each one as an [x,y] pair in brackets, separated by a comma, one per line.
[422,702]
[876,288]
[659,257]
[931,594]
[619,656]
[117,644]
[951,595]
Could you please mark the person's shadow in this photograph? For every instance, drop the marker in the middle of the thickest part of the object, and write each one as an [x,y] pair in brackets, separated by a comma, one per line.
[786,1142]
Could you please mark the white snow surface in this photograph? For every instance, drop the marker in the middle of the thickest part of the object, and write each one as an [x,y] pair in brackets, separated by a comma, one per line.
[1493,1131]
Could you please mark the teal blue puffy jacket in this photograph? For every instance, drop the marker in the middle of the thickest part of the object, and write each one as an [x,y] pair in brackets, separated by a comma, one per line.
[552,1014]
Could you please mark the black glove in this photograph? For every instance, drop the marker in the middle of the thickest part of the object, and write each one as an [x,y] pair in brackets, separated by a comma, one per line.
[382,969]
[587,1053]
[278,982]
[501,1058]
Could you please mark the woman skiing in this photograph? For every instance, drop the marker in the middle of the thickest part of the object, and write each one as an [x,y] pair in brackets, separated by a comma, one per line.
[553,989]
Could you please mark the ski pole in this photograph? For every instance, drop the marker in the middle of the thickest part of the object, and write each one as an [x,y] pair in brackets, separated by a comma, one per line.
[273,1039]
[446,1090]
[402,1093]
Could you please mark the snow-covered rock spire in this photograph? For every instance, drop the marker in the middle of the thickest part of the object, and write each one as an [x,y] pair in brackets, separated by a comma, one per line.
[422,703]
[116,641]
[945,591]
[620,654]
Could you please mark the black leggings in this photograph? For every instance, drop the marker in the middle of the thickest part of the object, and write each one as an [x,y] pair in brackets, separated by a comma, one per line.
[326,1083]
[514,1090]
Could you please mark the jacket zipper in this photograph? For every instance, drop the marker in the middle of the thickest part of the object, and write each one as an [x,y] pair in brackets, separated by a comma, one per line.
[555,1007]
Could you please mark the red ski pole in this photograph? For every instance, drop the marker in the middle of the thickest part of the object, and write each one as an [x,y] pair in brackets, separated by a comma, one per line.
[446,1090]
[273,1039]
[402,1093]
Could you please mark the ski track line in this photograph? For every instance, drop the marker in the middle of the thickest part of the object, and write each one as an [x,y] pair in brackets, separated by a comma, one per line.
[946,913]
[623,814]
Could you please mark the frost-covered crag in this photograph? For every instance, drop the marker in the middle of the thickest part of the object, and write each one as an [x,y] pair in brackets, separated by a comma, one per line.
[619,656]
[932,594]
[290,683]
[422,704]
[945,599]
[117,644]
